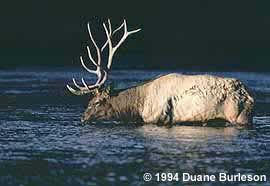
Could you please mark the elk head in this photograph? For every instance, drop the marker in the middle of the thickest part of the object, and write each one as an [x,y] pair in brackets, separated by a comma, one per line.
[98,107]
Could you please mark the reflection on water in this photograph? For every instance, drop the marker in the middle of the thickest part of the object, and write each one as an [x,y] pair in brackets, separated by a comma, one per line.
[189,133]
[43,143]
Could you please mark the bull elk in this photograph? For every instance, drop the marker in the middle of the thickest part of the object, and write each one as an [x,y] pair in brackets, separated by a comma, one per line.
[171,98]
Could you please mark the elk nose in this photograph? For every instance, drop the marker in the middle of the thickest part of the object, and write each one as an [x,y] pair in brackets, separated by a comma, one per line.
[83,118]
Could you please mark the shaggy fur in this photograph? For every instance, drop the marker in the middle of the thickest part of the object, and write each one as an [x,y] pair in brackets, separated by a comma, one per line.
[176,98]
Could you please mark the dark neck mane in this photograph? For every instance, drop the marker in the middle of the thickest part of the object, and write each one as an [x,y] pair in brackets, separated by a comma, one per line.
[127,103]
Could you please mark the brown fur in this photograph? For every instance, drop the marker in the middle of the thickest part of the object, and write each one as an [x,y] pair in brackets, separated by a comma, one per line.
[175,98]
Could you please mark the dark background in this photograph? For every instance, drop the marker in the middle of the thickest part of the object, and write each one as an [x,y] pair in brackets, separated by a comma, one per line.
[200,35]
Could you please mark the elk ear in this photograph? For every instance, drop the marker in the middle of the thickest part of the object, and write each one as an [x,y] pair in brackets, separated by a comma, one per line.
[106,92]
[109,89]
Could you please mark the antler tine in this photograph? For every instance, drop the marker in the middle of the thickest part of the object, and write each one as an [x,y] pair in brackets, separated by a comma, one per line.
[78,86]
[112,49]
[100,72]
[110,26]
[87,89]
[110,33]
[90,55]
[78,92]
[86,86]
[126,34]
[97,49]
[82,90]
[104,77]
[98,83]
[86,68]
[134,31]
[119,28]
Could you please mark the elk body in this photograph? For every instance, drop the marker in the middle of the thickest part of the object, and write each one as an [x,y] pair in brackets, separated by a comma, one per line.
[171,98]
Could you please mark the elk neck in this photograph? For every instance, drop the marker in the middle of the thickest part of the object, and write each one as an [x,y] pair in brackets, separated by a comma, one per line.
[128,103]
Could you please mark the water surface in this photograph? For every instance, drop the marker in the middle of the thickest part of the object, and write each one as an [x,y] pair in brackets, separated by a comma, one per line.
[42,141]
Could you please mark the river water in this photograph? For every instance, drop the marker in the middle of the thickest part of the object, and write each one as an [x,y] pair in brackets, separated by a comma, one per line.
[43,143]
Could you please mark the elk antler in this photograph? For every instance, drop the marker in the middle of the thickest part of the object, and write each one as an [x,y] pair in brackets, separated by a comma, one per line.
[100,72]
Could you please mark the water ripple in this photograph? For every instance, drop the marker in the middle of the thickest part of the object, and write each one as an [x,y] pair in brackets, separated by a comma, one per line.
[42,141]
